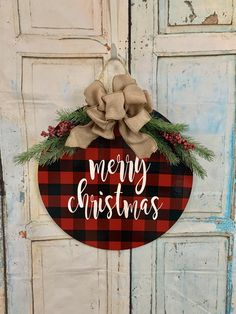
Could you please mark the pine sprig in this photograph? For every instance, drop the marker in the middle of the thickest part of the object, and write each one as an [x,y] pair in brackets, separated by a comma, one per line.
[53,148]
[201,150]
[190,161]
[34,152]
[177,153]
[46,152]
[78,116]
[163,147]
[160,125]
[56,151]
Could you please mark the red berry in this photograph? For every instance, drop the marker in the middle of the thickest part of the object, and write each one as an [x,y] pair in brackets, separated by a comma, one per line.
[44,134]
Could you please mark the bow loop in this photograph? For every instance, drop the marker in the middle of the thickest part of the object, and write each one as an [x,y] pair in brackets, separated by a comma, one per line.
[98,117]
[135,99]
[115,106]
[128,105]
[94,94]
[121,81]
[136,122]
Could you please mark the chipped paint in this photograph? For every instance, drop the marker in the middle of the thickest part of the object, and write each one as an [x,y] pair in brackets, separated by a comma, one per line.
[193,15]
[231,278]
[229,197]
[229,287]
[229,291]
[107,46]
[226,226]
[13,85]
[205,96]
[211,19]
[23,234]
[223,225]
[22,197]
[3,290]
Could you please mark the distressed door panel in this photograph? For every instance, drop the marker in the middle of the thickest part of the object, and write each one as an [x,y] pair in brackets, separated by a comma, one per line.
[53,83]
[50,84]
[192,80]
[45,17]
[64,283]
[143,284]
[71,277]
[184,16]
[118,269]
[181,275]
[50,52]
[197,13]
[192,275]
[200,91]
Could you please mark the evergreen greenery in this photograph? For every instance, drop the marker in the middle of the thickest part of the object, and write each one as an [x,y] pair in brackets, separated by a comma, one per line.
[78,116]
[157,124]
[46,152]
[163,146]
[53,148]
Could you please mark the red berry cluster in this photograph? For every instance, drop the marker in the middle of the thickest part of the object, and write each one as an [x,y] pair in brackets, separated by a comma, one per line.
[176,138]
[61,129]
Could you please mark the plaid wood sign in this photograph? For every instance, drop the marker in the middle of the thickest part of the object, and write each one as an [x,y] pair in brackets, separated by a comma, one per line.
[104,196]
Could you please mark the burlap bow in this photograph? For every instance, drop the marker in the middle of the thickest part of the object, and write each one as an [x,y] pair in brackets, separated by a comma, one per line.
[128,105]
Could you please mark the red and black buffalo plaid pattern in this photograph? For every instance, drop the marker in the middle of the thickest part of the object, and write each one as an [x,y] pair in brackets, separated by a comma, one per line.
[59,181]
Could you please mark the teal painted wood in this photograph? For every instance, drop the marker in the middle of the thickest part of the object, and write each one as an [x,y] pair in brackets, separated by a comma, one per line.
[3,292]
[192,79]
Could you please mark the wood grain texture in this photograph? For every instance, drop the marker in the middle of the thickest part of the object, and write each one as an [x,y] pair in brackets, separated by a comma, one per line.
[3,294]
[64,282]
[47,62]
[83,18]
[194,86]
[199,91]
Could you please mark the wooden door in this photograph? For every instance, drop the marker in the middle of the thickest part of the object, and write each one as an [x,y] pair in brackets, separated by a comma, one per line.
[184,51]
[50,51]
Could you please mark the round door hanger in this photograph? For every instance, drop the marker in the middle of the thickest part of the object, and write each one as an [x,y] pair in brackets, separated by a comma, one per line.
[106,197]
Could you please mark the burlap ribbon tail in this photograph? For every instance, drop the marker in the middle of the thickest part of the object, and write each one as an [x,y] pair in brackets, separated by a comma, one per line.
[128,105]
